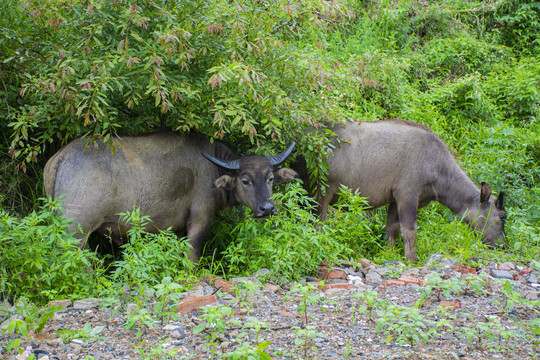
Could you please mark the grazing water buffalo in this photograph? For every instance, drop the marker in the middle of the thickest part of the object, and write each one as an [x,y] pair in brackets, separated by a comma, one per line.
[166,176]
[405,165]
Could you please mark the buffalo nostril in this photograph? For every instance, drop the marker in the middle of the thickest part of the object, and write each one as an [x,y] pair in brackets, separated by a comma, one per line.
[267,208]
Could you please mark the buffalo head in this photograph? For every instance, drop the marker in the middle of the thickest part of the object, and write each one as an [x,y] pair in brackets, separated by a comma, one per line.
[250,179]
[490,216]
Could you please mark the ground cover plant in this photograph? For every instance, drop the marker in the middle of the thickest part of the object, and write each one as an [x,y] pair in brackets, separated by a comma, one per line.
[257,74]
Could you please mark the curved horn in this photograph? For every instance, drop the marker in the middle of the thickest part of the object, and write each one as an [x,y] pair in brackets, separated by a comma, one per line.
[278,159]
[229,165]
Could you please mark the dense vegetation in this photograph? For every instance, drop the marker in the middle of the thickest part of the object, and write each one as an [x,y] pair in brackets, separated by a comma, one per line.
[256,73]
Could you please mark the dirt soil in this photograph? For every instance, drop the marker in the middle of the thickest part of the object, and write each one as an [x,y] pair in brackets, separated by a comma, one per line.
[345,319]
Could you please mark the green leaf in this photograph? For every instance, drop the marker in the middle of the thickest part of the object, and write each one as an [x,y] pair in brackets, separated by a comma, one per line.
[199,328]
[507,287]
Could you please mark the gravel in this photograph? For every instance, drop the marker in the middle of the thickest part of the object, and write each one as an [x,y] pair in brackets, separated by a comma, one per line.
[339,325]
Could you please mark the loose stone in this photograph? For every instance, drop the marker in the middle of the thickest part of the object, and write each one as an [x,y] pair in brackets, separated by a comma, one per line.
[86,304]
[502,274]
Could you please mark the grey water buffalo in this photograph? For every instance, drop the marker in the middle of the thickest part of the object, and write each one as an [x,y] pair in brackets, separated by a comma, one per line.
[168,176]
[405,165]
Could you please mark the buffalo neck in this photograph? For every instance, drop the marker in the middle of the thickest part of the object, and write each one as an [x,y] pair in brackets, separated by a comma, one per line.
[459,193]
[224,198]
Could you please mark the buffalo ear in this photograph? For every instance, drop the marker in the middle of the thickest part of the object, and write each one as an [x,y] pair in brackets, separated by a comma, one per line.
[226,182]
[485,192]
[500,199]
[284,174]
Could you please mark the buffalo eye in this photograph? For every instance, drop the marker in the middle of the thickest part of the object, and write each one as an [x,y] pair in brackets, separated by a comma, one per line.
[270,180]
[246,182]
[503,218]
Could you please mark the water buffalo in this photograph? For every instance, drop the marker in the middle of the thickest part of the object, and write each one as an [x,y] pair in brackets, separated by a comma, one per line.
[166,176]
[405,165]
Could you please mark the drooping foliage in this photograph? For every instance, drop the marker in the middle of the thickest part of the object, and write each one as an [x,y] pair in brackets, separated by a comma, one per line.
[227,69]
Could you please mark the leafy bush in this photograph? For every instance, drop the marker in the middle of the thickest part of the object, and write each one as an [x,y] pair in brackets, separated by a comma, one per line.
[516,23]
[291,244]
[445,59]
[464,100]
[149,258]
[441,231]
[287,245]
[258,73]
[221,68]
[515,89]
[41,259]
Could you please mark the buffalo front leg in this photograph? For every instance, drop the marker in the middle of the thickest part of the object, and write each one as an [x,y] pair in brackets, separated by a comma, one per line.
[324,201]
[408,225]
[392,224]
[197,228]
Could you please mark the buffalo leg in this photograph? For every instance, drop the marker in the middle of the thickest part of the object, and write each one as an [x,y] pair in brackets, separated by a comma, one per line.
[407,221]
[392,224]
[76,226]
[324,201]
[195,235]
[197,227]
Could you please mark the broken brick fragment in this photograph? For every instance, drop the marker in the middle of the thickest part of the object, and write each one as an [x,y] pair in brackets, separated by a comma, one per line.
[225,286]
[464,269]
[412,280]
[455,304]
[190,303]
[326,274]
[337,286]
[392,282]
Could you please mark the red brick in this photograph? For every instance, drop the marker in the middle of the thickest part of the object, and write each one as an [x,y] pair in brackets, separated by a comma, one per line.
[225,286]
[326,274]
[456,304]
[337,286]
[394,283]
[323,272]
[525,271]
[43,337]
[337,274]
[464,269]
[190,303]
[411,280]
[365,263]
[286,313]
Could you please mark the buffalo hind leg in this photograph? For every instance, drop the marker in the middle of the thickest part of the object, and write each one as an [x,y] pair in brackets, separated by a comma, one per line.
[392,224]
[82,222]
[407,222]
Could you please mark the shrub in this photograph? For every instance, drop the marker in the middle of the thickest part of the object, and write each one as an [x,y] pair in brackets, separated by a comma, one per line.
[41,258]
[516,24]
[464,100]
[292,243]
[148,258]
[515,90]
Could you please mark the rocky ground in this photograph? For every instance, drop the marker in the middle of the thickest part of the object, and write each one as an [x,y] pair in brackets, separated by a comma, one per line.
[363,311]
